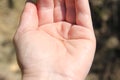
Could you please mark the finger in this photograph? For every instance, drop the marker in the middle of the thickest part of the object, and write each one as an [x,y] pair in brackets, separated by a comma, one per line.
[45,11]
[70,11]
[59,10]
[29,18]
[83,15]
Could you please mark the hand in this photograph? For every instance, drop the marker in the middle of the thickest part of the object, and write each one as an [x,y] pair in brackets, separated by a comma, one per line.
[55,40]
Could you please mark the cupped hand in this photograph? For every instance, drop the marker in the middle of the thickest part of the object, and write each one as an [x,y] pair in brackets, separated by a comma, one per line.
[55,39]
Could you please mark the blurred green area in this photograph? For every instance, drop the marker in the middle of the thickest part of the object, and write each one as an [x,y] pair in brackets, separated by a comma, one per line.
[106,20]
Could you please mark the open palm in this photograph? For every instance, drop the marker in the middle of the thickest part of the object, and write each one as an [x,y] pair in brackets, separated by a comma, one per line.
[56,37]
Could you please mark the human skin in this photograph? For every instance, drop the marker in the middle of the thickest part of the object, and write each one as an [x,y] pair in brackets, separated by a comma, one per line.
[55,40]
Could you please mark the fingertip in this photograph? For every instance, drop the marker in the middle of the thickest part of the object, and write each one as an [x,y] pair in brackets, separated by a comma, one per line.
[29,8]
[29,16]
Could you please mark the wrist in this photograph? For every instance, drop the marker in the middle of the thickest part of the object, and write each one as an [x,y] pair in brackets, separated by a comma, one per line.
[50,75]
[45,76]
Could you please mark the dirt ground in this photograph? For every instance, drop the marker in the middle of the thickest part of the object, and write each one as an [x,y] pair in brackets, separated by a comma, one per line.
[106,20]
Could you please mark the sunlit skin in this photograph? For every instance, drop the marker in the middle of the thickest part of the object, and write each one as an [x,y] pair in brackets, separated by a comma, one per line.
[55,40]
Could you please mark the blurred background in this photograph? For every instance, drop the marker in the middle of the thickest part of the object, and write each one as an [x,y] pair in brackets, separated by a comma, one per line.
[106,20]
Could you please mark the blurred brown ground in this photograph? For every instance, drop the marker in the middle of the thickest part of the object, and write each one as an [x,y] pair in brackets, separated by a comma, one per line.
[106,21]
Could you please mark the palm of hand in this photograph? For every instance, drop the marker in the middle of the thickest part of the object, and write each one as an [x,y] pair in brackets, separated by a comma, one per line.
[58,47]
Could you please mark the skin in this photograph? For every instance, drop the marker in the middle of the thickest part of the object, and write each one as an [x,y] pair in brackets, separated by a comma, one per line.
[55,40]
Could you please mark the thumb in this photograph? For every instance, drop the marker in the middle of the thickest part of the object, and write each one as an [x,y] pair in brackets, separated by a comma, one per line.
[29,17]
